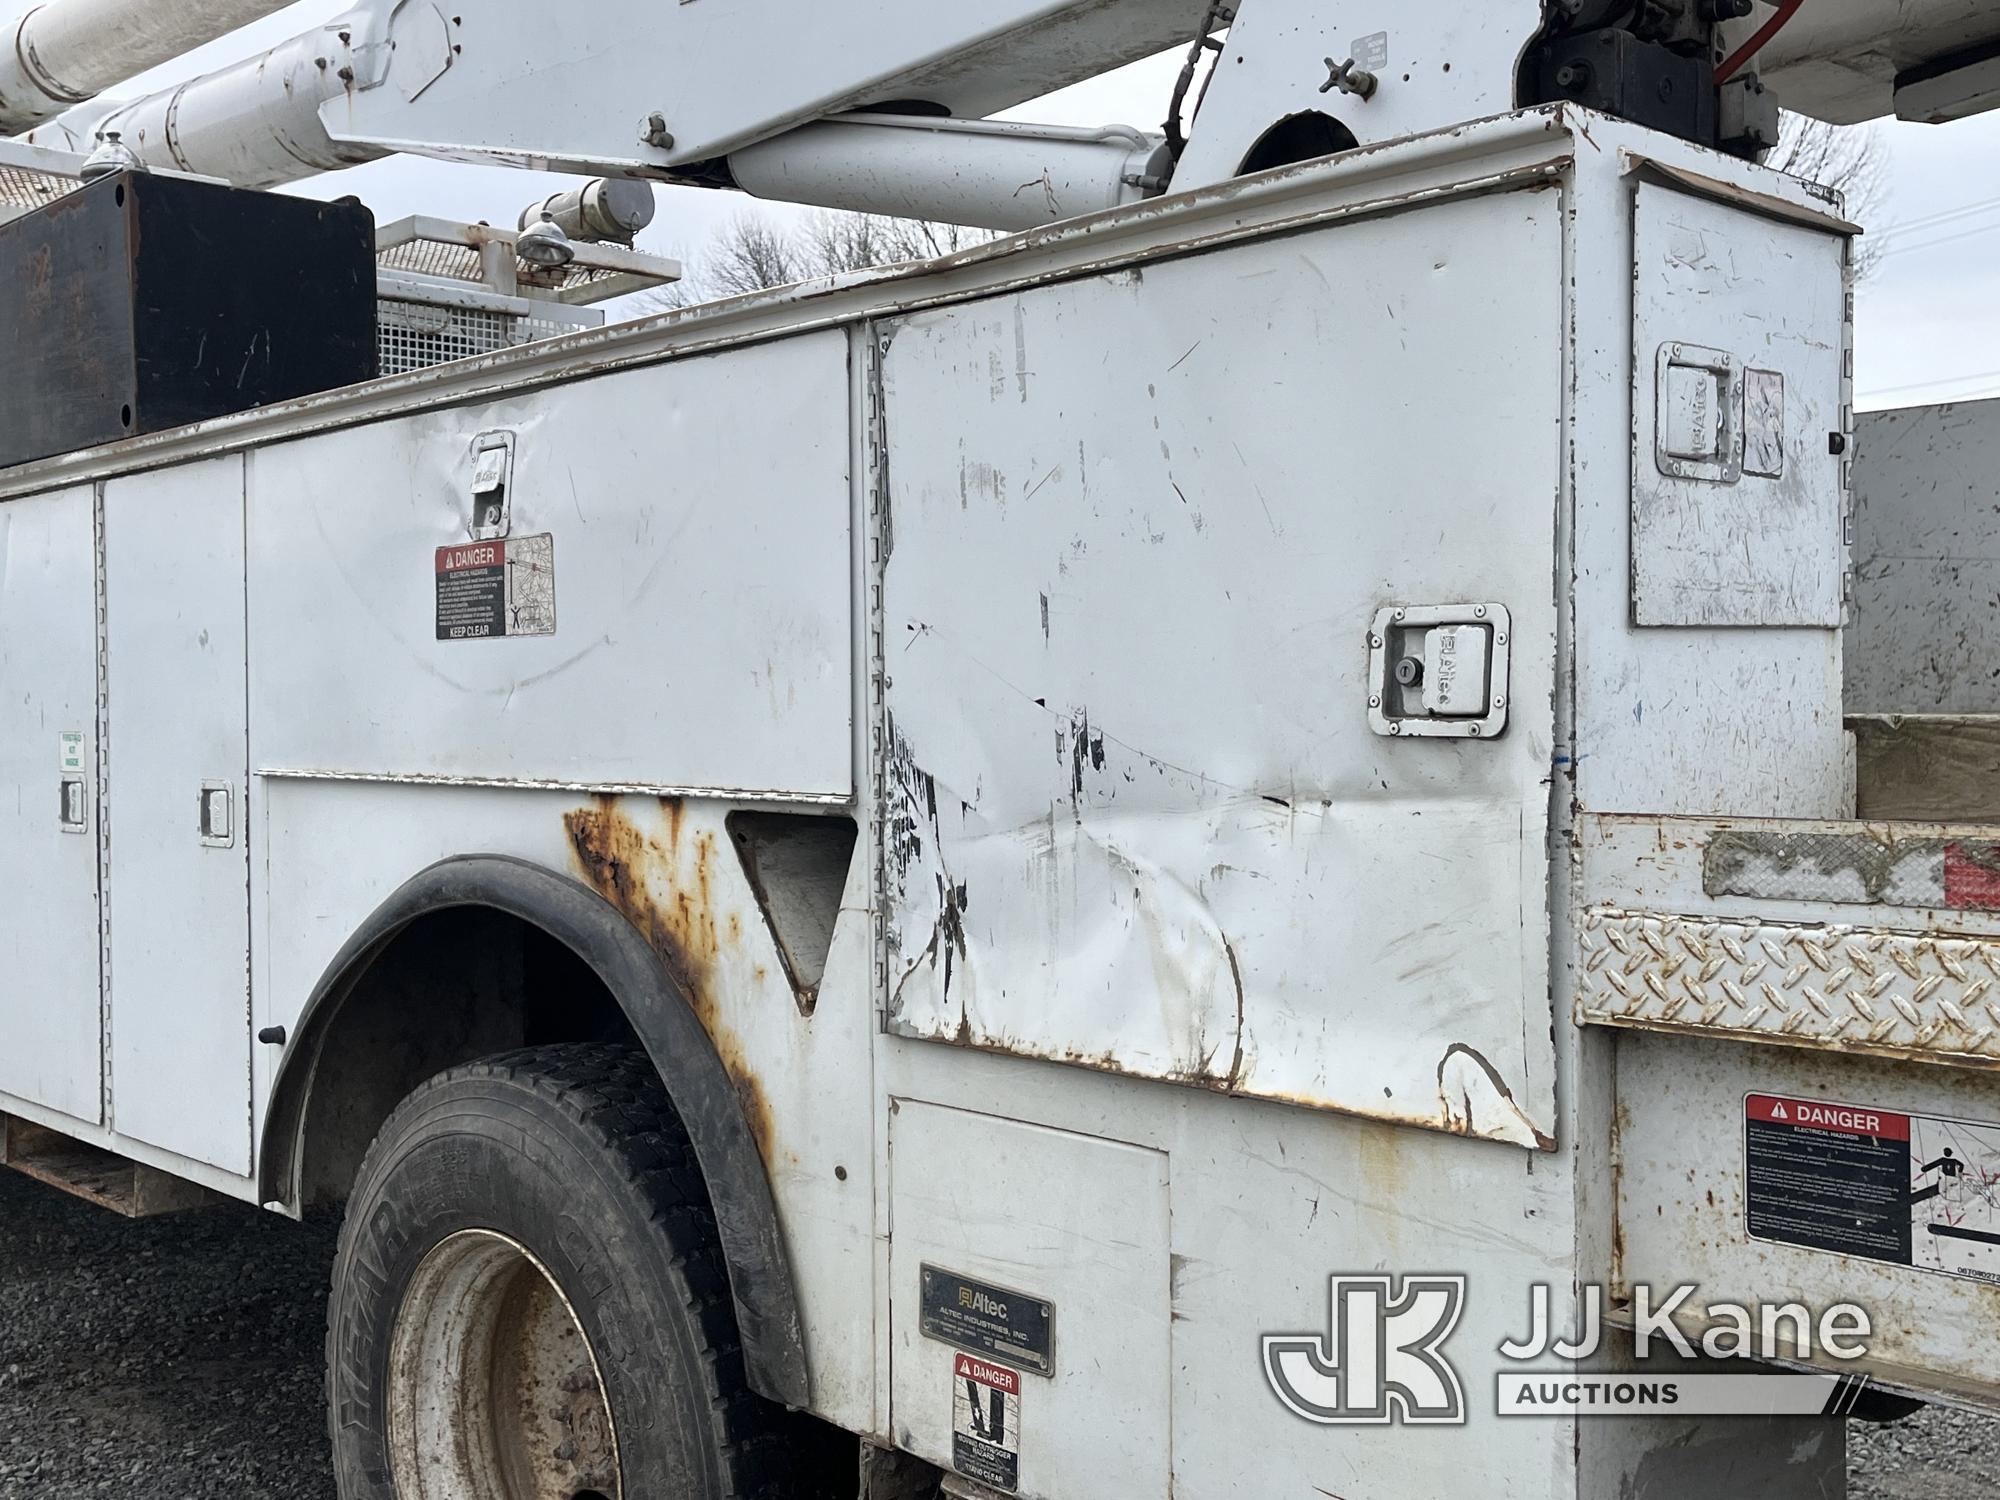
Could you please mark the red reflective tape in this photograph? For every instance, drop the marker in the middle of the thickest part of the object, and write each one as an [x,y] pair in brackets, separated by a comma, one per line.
[1811,1114]
[1972,876]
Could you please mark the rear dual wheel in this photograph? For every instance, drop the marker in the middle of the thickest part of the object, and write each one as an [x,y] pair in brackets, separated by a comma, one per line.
[529,1303]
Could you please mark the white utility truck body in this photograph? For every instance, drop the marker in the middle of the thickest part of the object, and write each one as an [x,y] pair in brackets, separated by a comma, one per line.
[1248,737]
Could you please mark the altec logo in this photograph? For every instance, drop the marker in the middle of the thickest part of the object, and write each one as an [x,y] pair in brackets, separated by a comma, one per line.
[1380,1363]
[979,1302]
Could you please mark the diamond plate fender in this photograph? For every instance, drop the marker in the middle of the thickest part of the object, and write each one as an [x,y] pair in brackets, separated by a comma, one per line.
[1922,998]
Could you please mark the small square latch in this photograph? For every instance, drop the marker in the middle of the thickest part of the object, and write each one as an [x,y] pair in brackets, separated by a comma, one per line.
[218,814]
[1439,671]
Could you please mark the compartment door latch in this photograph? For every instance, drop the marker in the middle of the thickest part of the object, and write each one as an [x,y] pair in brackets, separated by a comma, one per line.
[1439,670]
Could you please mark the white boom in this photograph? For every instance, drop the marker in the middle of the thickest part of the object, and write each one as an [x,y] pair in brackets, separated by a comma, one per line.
[747,97]
[63,53]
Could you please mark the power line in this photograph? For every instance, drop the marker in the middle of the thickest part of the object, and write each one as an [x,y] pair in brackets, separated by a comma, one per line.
[1930,385]
[1946,239]
[1944,216]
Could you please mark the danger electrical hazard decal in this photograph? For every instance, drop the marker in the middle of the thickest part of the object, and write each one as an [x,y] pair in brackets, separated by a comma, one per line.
[502,587]
[1911,1190]
[986,1422]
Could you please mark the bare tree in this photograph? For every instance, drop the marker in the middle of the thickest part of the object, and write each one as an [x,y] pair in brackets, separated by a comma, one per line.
[753,251]
[1848,158]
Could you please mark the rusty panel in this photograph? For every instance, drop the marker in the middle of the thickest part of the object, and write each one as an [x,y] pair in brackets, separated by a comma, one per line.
[1135,817]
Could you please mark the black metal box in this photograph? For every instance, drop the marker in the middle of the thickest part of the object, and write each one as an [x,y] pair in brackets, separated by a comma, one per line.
[139,302]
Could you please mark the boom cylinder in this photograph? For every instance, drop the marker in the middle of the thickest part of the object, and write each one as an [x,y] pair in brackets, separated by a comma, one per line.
[984,173]
[67,51]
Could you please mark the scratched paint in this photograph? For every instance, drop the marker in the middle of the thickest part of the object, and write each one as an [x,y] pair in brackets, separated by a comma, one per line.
[1132,816]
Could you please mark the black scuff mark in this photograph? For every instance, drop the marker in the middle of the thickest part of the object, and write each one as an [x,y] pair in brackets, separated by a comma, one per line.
[1460,1049]
[1235,1078]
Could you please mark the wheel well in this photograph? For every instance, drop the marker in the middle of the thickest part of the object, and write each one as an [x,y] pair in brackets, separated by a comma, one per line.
[452,986]
[483,952]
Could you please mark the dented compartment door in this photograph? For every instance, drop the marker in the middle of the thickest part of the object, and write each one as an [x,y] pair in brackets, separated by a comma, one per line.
[1136,531]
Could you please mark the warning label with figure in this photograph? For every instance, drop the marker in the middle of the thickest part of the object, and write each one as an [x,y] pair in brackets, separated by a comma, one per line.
[502,587]
[1913,1190]
[986,1422]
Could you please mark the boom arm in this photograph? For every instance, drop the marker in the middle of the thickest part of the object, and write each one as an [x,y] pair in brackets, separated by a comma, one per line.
[798,101]
[62,53]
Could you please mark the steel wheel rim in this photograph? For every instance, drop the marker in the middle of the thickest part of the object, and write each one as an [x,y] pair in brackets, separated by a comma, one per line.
[494,1390]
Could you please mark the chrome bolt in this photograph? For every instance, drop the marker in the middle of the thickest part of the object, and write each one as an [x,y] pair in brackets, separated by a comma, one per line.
[1478,611]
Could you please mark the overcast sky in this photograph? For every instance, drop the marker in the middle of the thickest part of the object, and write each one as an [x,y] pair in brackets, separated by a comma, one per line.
[1929,317]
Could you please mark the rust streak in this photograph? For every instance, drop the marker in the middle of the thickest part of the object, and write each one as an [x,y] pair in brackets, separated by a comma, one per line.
[663,884]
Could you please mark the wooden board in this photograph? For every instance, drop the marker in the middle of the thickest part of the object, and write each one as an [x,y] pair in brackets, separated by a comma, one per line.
[1942,768]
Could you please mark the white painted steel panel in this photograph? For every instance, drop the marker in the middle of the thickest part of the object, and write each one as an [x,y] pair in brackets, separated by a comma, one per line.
[699,512]
[179,905]
[1681,1212]
[51,1049]
[1136,816]
[335,850]
[1925,637]
[1719,721]
[1079,1222]
[1737,544]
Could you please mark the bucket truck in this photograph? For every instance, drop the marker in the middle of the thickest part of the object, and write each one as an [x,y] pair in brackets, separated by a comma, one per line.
[1213,849]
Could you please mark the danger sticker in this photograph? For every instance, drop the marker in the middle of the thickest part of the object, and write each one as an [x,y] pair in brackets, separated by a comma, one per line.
[496,588]
[986,1422]
[1911,1190]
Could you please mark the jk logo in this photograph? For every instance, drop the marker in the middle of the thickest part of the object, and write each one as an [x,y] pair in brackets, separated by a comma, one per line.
[1380,1363]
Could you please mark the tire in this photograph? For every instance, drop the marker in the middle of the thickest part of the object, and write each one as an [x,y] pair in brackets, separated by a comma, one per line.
[529,1303]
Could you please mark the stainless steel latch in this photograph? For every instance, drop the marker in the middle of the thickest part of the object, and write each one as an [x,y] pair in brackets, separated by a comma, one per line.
[218,814]
[1439,670]
[492,485]
[75,814]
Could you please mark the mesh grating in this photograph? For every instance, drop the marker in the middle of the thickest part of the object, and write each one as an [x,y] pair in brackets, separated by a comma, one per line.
[461,263]
[416,335]
[23,187]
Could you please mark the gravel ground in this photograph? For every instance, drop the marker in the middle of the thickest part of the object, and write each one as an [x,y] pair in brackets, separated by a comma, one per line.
[179,1359]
